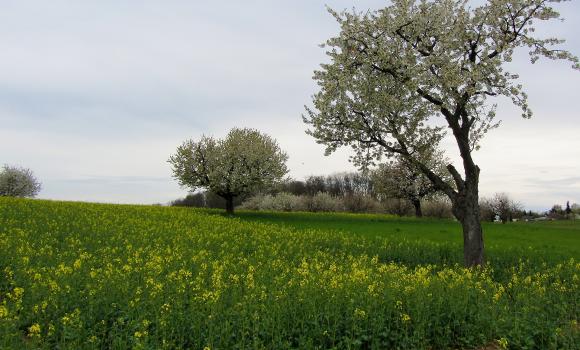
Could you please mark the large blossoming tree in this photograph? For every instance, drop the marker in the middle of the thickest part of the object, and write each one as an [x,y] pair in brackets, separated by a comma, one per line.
[245,161]
[401,76]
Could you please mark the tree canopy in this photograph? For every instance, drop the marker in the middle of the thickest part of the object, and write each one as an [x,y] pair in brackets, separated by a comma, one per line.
[245,161]
[18,182]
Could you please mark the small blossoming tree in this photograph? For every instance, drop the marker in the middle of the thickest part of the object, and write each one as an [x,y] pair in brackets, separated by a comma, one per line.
[245,161]
[400,179]
[18,182]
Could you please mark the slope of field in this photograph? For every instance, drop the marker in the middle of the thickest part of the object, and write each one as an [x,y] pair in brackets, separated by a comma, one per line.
[94,276]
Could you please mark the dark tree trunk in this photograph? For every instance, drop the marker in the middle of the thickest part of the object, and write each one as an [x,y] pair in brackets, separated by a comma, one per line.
[417,205]
[229,205]
[465,202]
[472,239]
[465,207]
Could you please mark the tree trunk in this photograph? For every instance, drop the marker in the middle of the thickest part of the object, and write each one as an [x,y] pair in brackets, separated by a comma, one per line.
[466,209]
[472,240]
[465,196]
[229,205]
[417,205]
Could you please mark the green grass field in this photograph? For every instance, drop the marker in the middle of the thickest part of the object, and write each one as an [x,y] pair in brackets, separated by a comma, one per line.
[96,276]
[553,240]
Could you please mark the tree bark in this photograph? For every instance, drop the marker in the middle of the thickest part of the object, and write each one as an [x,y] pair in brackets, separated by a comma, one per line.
[417,205]
[472,240]
[465,207]
[229,205]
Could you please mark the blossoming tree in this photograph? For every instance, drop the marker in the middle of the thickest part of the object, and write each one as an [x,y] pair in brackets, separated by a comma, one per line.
[18,182]
[245,161]
[393,72]
[400,179]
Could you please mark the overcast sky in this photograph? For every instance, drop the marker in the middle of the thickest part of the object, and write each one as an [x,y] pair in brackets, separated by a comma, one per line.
[95,95]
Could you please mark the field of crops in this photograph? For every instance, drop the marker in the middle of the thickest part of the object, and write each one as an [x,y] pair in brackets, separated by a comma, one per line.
[94,276]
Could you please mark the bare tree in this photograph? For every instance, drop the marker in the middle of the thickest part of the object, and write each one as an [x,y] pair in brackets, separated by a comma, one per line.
[502,206]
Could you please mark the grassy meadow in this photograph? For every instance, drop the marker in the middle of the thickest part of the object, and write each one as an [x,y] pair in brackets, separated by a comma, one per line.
[96,276]
[551,241]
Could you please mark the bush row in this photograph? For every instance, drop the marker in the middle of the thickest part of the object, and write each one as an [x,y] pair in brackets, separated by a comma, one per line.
[355,203]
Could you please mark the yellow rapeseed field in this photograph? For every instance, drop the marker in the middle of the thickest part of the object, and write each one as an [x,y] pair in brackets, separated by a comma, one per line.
[94,276]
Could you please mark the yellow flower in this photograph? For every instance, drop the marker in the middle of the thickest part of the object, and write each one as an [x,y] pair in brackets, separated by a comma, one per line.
[141,334]
[3,311]
[499,293]
[359,313]
[50,329]
[503,343]
[77,264]
[16,293]
[34,330]
[165,307]
[405,318]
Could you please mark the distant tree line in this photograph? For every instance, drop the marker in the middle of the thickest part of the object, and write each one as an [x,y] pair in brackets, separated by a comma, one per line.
[338,185]
[204,199]
[500,207]
[558,212]
[246,169]
[357,192]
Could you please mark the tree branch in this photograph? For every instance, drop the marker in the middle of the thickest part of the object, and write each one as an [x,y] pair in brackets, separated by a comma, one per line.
[456,177]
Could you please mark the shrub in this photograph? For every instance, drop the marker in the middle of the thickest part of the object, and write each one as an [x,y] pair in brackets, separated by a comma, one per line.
[437,208]
[253,203]
[280,202]
[397,206]
[359,203]
[322,202]
[205,199]
[286,202]
[191,200]
[289,202]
